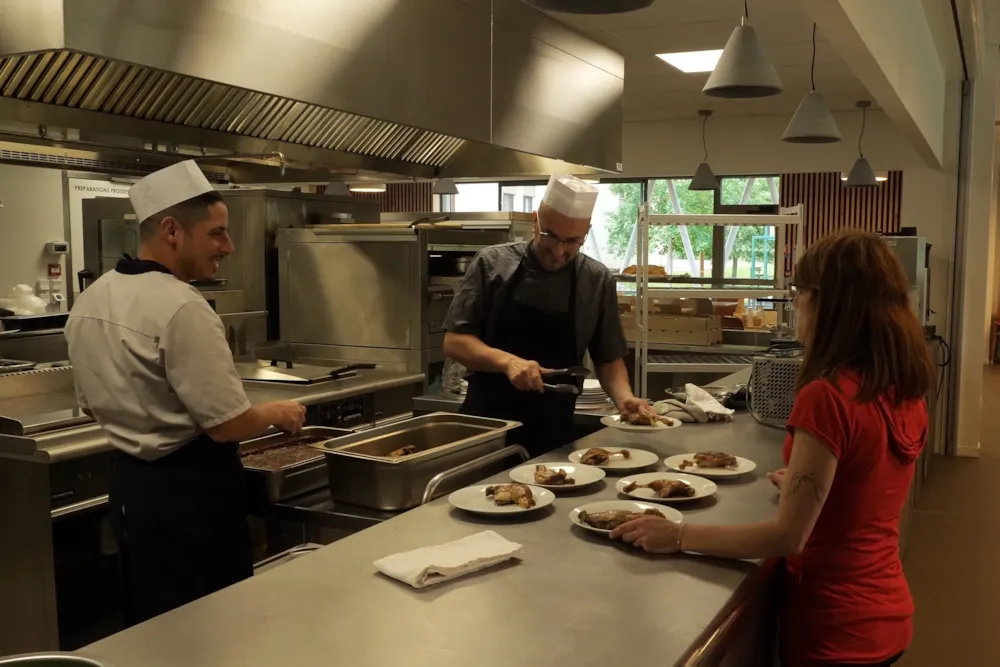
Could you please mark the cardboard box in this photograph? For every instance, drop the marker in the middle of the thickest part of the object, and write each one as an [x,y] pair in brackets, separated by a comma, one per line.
[678,329]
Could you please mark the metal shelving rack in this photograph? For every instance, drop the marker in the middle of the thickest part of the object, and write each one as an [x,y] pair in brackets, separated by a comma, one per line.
[644,364]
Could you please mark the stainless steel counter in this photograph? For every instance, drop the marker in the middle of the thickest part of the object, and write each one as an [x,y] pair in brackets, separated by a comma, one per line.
[365,382]
[438,402]
[575,598]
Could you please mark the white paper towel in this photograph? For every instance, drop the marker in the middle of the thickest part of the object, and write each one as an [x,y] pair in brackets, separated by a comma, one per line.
[432,565]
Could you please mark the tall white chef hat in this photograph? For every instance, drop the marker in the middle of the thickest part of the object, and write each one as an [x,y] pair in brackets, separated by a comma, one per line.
[167,187]
[571,196]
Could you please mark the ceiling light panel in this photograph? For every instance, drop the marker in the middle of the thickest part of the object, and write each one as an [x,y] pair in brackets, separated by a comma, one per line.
[692,62]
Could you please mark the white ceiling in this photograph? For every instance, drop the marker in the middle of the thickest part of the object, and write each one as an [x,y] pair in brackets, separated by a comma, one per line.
[656,91]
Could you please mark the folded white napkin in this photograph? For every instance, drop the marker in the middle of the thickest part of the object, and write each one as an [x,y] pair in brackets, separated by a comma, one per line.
[702,399]
[432,565]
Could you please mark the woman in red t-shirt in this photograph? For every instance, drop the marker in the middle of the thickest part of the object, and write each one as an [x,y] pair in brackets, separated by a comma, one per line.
[858,425]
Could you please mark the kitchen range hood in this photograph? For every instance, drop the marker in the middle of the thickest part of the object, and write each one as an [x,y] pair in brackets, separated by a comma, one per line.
[295,90]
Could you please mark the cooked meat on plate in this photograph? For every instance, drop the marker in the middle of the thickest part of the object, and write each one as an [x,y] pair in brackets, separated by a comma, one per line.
[711,460]
[613,518]
[598,457]
[549,477]
[403,451]
[665,488]
[645,417]
[511,494]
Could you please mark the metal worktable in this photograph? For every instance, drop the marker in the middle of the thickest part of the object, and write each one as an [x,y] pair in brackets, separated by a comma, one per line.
[575,598]
[441,402]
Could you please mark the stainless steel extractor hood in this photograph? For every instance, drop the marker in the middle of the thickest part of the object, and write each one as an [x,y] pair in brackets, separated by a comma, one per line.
[414,88]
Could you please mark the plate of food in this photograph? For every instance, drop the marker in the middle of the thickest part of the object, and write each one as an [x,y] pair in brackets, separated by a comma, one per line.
[566,476]
[501,498]
[710,464]
[615,458]
[644,421]
[666,487]
[606,515]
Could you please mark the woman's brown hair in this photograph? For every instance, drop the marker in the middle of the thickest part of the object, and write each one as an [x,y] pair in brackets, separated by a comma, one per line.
[861,318]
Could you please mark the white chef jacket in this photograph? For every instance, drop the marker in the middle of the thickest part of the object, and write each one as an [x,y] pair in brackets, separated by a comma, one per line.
[151,361]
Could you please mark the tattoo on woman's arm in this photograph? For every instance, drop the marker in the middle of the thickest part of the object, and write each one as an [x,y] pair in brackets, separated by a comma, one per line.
[801,479]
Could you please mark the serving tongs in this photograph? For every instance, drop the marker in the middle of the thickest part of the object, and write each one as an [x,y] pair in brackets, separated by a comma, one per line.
[565,380]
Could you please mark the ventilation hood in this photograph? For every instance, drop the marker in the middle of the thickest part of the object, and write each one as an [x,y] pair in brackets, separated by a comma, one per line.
[302,90]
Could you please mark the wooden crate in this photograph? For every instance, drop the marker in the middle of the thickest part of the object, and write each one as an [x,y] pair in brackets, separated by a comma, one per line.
[679,329]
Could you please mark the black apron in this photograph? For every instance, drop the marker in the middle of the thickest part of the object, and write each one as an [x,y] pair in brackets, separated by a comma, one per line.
[534,334]
[180,520]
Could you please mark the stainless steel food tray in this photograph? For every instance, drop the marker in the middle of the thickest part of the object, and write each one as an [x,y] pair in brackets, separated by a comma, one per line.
[271,486]
[361,473]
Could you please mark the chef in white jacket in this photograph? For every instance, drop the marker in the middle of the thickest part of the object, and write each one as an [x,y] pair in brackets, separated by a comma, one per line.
[153,368]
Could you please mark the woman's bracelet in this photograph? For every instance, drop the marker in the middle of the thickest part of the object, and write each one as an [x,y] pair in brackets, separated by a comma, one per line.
[680,537]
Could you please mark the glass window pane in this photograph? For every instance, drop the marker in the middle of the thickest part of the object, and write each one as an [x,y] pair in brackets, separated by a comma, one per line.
[474,198]
[524,198]
[750,252]
[667,246]
[735,190]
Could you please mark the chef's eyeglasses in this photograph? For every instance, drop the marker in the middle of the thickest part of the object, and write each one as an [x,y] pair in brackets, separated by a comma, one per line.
[550,240]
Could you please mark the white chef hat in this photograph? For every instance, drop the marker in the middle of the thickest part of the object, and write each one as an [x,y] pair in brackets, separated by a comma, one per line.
[167,187]
[571,196]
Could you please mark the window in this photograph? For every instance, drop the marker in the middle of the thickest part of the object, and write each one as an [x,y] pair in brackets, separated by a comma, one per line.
[682,251]
[471,198]
[529,204]
[749,251]
[508,202]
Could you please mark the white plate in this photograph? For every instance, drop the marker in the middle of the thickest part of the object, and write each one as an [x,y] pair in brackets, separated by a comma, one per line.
[703,488]
[640,458]
[583,475]
[743,466]
[473,499]
[615,421]
[627,505]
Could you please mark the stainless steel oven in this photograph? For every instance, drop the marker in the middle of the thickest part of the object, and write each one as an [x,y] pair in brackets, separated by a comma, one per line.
[379,293]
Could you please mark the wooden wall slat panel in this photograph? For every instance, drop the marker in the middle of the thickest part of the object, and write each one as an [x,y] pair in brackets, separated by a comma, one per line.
[399,197]
[829,207]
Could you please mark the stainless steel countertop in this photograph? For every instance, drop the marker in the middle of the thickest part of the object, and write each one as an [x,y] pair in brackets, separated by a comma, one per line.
[439,402]
[364,382]
[332,607]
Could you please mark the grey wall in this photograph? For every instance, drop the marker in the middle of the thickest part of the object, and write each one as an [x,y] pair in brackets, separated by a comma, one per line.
[31,214]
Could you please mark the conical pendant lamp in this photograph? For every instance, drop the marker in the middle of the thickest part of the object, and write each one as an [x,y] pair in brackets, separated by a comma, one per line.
[338,189]
[444,186]
[743,70]
[812,123]
[862,175]
[703,178]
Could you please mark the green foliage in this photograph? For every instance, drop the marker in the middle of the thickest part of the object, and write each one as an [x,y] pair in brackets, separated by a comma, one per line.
[621,221]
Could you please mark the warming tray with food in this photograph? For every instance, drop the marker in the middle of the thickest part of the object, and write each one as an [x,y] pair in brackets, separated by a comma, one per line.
[388,468]
[282,466]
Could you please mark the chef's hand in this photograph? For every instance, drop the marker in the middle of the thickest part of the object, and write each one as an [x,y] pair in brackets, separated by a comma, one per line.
[288,416]
[652,534]
[525,375]
[632,405]
[777,478]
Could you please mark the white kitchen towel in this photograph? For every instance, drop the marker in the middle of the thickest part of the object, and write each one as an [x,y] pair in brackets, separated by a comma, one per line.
[432,565]
[701,398]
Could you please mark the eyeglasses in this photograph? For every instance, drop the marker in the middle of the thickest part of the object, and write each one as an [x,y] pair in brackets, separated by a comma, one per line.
[796,292]
[550,240]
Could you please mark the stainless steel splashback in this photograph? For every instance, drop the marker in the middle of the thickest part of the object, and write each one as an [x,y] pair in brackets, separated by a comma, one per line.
[422,87]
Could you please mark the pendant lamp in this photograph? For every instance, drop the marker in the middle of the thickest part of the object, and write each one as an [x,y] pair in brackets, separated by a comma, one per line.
[862,175]
[812,123]
[338,189]
[703,178]
[743,70]
[590,6]
[444,186]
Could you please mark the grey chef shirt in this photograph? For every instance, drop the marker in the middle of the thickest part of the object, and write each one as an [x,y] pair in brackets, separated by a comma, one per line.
[476,307]
[151,362]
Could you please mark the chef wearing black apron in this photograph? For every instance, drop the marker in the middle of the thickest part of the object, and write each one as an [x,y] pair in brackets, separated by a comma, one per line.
[153,368]
[538,305]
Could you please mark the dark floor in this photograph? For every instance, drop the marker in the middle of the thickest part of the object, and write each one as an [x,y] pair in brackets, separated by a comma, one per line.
[953,562]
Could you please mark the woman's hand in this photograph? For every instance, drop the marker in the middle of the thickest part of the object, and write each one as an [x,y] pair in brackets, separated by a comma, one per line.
[777,478]
[652,534]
